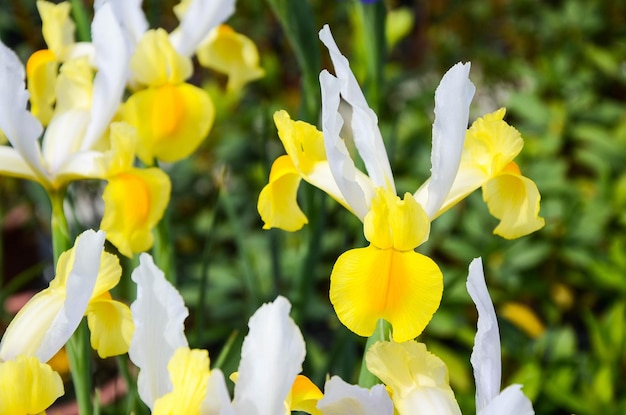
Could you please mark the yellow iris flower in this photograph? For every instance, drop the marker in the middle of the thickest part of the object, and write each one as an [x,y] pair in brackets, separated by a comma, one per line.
[387,279]
[84,276]
[134,199]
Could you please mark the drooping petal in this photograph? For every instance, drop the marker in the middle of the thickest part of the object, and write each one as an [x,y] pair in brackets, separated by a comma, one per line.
[189,374]
[278,204]
[304,396]
[341,164]
[12,164]
[510,401]
[198,19]
[159,314]
[271,357]
[110,81]
[485,357]
[341,398]
[156,62]
[514,199]
[231,53]
[111,326]
[20,127]
[28,386]
[368,284]
[417,378]
[367,137]
[171,121]
[134,203]
[452,100]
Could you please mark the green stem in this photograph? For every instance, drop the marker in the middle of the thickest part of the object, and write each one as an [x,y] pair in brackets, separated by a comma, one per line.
[382,333]
[163,248]
[61,240]
[82,21]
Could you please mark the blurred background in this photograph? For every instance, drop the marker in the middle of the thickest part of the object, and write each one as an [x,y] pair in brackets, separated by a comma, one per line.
[559,67]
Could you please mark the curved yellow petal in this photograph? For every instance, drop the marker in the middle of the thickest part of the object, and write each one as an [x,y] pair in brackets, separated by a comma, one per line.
[156,62]
[134,202]
[74,88]
[304,396]
[111,326]
[41,72]
[56,26]
[417,378]
[171,121]
[368,284]
[278,204]
[524,318]
[514,199]
[231,53]
[189,373]
[28,386]
[401,224]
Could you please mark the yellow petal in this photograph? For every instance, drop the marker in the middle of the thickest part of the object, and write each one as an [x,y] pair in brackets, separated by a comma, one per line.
[74,89]
[304,396]
[134,202]
[278,204]
[514,199]
[417,378]
[28,386]
[231,53]
[523,317]
[368,284]
[56,26]
[111,326]
[395,223]
[189,373]
[156,62]
[123,137]
[41,72]
[171,121]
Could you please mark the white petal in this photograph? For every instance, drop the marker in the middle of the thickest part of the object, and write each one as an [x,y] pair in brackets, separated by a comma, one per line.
[271,357]
[131,18]
[159,314]
[217,401]
[452,100]
[63,137]
[367,137]
[80,284]
[110,80]
[486,353]
[341,164]
[341,398]
[511,401]
[201,17]
[18,124]
[12,164]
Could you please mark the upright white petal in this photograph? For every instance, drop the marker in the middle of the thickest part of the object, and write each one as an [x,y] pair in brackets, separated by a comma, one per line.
[341,164]
[80,285]
[18,124]
[217,401]
[159,314]
[511,401]
[485,357]
[341,398]
[130,17]
[271,357]
[367,137]
[110,80]
[63,137]
[452,100]
[200,18]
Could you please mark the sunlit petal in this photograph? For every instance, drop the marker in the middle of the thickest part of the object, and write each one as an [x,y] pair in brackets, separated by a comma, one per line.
[368,284]
[74,86]
[131,17]
[514,199]
[41,72]
[304,396]
[111,326]
[278,205]
[198,19]
[12,164]
[452,101]
[57,27]
[271,357]
[28,386]
[417,378]
[510,401]
[217,400]
[159,314]
[156,62]
[341,398]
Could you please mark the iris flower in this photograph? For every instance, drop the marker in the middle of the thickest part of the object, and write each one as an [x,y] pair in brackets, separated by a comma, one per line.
[387,279]
[85,274]
[84,106]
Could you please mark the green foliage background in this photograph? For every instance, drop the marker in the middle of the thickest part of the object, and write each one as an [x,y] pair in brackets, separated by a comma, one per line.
[559,67]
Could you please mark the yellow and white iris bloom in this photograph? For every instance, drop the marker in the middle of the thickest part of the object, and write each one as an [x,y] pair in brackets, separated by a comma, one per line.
[84,106]
[85,274]
[387,279]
